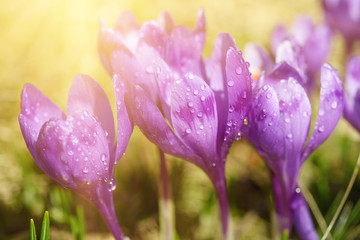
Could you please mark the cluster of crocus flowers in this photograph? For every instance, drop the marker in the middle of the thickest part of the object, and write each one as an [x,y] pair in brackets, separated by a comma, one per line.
[189,107]
[344,16]
[193,108]
[78,150]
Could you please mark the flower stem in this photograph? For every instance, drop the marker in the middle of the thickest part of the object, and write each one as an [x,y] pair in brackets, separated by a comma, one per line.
[343,200]
[220,189]
[282,205]
[166,216]
[102,198]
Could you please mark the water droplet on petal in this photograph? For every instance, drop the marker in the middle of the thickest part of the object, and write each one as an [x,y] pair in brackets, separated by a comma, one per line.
[70,153]
[190,104]
[200,114]
[230,83]
[321,112]
[202,98]
[188,131]
[238,70]
[201,127]
[321,129]
[213,164]
[85,170]
[244,94]
[191,76]
[334,105]
[203,87]
[196,92]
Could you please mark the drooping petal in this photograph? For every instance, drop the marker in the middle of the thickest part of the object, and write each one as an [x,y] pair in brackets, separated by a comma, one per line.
[330,110]
[352,100]
[149,119]
[194,115]
[36,109]
[86,95]
[124,124]
[74,152]
[239,95]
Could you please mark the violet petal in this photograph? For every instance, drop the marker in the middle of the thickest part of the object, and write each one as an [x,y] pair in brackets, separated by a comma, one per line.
[124,125]
[152,123]
[36,109]
[239,95]
[86,95]
[74,152]
[352,103]
[330,110]
[193,115]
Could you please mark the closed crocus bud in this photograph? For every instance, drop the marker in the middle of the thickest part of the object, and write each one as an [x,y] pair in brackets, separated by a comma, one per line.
[352,103]
[344,16]
[279,123]
[77,150]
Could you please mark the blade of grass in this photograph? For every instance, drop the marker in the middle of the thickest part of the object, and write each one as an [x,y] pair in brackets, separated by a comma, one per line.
[45,229]
[32,230]
[343,200]
[315,209]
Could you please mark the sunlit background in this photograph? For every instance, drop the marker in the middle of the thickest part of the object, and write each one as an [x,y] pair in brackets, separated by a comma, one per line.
[47,43]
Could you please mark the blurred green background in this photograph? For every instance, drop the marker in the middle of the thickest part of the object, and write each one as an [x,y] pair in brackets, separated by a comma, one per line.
[47,43]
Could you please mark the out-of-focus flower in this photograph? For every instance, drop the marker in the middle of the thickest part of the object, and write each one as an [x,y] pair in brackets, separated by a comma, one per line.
[188,107]
[130,49]
[77,150]
[344,16]
[352,98]
[279,122]
[310,42]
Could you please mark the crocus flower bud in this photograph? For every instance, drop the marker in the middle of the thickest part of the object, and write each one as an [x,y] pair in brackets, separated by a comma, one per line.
[279,122]
[77,150]
[352,103]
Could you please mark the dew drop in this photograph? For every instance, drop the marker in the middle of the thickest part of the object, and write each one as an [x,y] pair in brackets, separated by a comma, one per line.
[202,98]
[297,190]
[289,136]
[200,114]
[334,105]
[190,104]
[244,94]
[321,112]
[238,70]
[103,157]
[262,115]
[191,76]
[188,131]
[196,92]
[203,87]
[85,170]
[321,129]
[70,153]
[213,164]
[201,127]
[230,83]
[268,95]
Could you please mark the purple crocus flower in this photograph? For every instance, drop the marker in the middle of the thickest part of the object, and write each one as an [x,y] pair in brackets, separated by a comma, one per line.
[279,122]
[310,42]
[200,115]
[344,16]
[188,107]
[77,150]
[352,99]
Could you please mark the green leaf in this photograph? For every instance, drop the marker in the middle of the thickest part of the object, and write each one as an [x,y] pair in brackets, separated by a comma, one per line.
[285,235]
[45,230]
[32,230]
[81,222]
